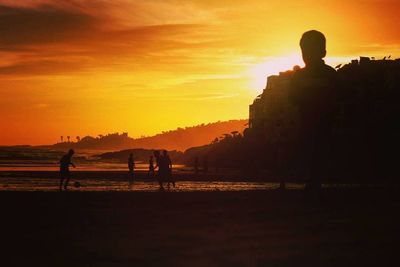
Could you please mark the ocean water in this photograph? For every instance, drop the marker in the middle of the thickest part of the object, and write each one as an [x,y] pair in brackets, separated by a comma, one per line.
[96,166]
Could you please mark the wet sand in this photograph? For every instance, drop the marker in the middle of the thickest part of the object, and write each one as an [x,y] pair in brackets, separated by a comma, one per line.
[179,175]
[348,227]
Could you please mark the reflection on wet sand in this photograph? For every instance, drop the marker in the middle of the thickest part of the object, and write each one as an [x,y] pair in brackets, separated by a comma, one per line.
[46,184]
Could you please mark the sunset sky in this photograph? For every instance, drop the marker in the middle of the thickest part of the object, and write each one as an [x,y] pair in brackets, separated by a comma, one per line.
[96,67]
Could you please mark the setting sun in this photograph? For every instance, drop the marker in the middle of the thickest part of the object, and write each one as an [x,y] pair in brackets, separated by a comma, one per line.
[272,66]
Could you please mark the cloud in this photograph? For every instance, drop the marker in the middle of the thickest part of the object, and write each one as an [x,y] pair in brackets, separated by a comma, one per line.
[40,67]
[186,96]
[180,37]
[21,26]
[54,36]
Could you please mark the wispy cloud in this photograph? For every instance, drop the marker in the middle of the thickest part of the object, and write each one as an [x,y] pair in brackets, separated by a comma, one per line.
[72,35]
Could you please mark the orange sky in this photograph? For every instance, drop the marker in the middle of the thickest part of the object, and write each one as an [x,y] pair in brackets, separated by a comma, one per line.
[94,67]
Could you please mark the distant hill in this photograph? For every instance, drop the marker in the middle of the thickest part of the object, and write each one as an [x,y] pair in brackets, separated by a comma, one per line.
[179,139]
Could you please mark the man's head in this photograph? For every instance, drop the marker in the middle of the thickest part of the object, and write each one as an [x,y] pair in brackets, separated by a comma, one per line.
[71,152]
[313,47]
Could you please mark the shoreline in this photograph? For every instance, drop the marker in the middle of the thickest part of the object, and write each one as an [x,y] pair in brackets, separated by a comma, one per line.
[141,175]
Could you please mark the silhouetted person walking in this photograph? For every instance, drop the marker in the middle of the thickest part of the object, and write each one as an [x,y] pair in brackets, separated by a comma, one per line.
[159,165]
[150,173]
[65,161]
[167,168]
[131,167]
[313,91]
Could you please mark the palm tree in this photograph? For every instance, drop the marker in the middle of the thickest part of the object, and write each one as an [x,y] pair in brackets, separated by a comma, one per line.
[78,138]
[62,138]
[68,137]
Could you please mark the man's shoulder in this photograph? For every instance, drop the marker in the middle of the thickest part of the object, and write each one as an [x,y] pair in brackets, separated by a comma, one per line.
[323,70]
[323,67]
[329,69]
[299,73]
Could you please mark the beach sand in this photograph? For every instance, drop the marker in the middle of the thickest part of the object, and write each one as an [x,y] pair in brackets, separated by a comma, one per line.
[348,227]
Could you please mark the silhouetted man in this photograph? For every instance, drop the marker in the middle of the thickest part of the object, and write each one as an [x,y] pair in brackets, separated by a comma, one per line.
[313,91]
[131,167]
[151,167]
[65,161]
[159,165]
[166,168]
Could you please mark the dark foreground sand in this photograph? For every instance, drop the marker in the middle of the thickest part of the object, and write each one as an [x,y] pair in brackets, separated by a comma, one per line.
[349,227]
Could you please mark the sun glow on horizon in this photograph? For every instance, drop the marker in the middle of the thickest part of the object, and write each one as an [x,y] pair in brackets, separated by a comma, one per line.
[274,65]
